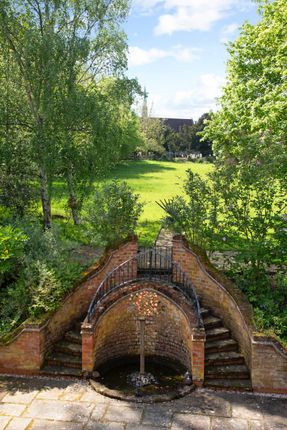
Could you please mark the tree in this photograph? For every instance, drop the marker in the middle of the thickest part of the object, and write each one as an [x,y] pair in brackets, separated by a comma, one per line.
[249,130]
[152,132]
[114,212]
[55,45]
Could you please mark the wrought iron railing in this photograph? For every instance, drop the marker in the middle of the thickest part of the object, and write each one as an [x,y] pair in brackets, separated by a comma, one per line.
[151,264]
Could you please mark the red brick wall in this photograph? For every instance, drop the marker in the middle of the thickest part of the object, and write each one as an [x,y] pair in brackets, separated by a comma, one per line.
[269,366]
[167,333]
[27,349]
[214,295]
[266,358]
[25,353]
[171,332]
[77,303]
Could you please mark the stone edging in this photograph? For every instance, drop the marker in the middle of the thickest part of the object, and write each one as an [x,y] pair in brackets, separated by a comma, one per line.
[153,398]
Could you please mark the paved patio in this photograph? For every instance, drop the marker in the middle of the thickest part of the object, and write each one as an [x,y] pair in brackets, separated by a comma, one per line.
[40,404]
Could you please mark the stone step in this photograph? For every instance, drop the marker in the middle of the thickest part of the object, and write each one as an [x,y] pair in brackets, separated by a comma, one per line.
[204,312]
[221,358]
[211,321]
[70,348]
[61,371]
[227,372]
[218,333]
[65,360]
[229,384]
[73,336]
[77,326]
[221,346]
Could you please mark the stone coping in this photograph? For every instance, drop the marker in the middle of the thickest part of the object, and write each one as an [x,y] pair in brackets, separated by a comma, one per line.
[152,398]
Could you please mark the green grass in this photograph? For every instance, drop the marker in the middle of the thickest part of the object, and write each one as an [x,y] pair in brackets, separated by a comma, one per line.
[153,181]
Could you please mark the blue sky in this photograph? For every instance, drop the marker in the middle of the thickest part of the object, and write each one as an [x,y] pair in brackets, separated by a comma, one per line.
[177,51]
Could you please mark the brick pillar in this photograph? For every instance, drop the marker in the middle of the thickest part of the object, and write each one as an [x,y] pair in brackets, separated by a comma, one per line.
[87,333]
[197,356]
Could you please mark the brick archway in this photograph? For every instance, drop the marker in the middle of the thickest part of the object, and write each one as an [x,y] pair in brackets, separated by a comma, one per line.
[171,333]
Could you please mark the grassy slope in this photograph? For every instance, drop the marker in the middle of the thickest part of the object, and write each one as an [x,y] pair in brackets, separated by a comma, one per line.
[154,181]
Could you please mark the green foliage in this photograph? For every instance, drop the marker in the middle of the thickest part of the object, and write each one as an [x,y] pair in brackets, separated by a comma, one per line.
[195,216]
[12,242]
[268,296]
[249,130]
[46,274]
[114,212]
[53,56]
[152,133]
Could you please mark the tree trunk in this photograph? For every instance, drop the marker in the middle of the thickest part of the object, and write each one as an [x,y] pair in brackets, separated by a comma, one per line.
[45,199]
[73,201]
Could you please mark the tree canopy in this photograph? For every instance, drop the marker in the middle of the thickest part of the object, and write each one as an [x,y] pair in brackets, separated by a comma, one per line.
[249,130]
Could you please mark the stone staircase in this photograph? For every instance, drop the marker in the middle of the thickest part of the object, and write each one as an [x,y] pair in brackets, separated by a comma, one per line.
[66,357]
[225,366]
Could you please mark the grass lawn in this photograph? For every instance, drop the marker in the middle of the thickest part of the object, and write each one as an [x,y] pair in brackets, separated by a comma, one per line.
[154,181]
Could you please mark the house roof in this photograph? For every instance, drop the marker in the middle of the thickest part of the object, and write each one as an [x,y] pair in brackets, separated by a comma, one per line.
[176,123]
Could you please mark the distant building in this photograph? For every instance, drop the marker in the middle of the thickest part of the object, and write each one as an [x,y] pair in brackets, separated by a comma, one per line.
[177,123]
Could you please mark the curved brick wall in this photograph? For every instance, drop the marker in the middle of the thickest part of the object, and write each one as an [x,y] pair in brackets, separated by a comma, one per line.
[168,333]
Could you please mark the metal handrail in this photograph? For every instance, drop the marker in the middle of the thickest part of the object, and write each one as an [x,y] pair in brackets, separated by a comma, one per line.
[150,264]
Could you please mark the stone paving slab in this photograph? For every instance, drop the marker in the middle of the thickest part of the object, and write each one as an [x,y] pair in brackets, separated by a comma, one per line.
[54,425]
[47,404]
[3,422]
[188,422]
[18,424]
[59,410]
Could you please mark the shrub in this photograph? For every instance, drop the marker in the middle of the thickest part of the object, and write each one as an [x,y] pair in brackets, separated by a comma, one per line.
[114,213]
[12,241]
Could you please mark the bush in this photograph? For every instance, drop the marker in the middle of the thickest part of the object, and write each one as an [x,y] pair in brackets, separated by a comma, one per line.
[12,242]
[114,213]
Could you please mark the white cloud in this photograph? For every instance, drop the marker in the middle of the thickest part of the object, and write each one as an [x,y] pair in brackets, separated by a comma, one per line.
[190,103]
[139,57]
[228,31]
[189,15]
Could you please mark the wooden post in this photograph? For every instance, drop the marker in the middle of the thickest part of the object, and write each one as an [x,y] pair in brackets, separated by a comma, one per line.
[142,346]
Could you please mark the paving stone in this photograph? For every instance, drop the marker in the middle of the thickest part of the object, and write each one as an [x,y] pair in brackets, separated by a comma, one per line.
[3,422]
[11,409]
[19,397]
[250,410]
[58,410]
[275,423]
[228,424]
[274,407]
[73,393]
[99,411]
[159,418]
[92,396]
[54,425]
[143,427]
[203,403]
[18,424]
[256,425]
[50,393]
[2,394]
[131,414]
[107,426]
[190,422]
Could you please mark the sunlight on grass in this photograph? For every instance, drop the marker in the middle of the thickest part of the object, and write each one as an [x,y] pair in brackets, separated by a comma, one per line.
[153,181]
